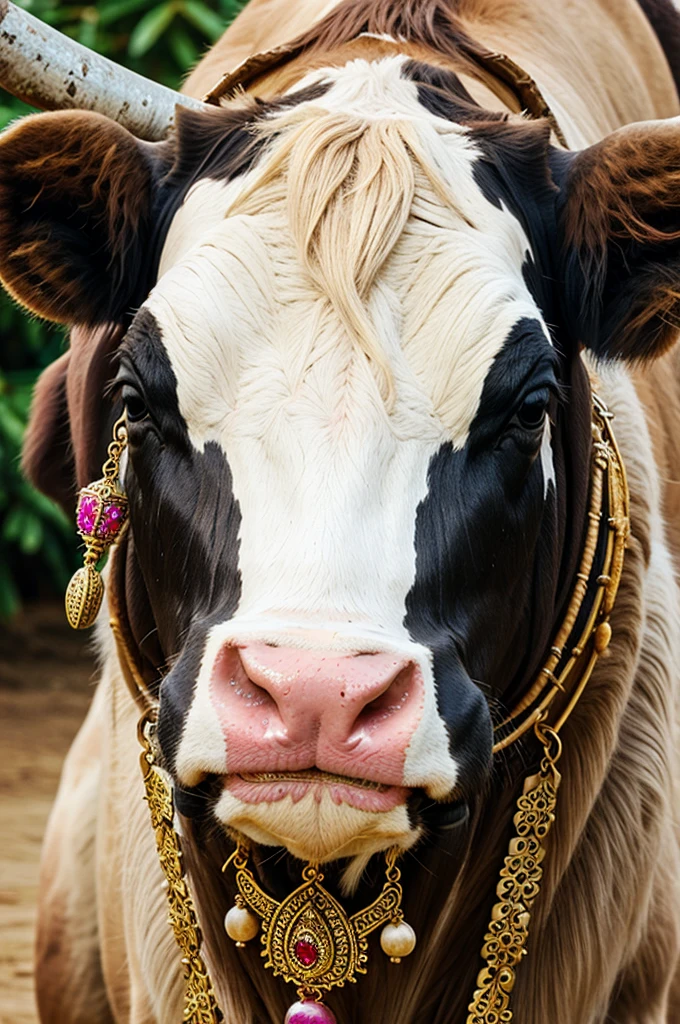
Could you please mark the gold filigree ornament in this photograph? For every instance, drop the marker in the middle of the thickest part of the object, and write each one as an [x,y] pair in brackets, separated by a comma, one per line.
[519,885]
[309,940]
[101,515]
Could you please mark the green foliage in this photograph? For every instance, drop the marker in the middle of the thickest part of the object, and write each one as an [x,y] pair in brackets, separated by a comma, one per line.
[162,41]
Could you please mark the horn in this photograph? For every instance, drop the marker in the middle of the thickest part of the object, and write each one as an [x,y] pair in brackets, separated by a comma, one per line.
[51,71]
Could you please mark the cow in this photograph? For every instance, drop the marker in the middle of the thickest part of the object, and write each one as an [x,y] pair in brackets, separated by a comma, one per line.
[354,312]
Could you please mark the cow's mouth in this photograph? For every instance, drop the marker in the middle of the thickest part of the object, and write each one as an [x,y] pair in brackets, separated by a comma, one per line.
[316,777]
[273,786]
[317,815]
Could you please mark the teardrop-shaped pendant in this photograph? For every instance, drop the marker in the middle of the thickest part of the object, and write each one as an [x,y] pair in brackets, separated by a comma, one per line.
[309,939]
[84,597]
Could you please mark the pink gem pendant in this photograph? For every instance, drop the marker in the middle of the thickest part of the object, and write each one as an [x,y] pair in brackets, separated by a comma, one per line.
[101,514]
[308,1011]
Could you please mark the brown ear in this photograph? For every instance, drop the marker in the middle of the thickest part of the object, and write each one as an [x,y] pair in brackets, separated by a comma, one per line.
[620,245]
[47,453]
[70,422]
[75,204]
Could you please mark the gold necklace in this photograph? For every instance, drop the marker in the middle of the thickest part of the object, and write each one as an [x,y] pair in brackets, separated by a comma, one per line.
[308,938]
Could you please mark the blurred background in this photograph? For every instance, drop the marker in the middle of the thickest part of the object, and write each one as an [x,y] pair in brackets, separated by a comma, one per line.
[47,670]
[161,41]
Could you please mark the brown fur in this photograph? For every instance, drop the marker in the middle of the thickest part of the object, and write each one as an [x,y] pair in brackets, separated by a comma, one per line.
[63,447]
[658,385]
[68,183]
[47,454]
[67,943]
[663,17]
[600,58]
[624,197]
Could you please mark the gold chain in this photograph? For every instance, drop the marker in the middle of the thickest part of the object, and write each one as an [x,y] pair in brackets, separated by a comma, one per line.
[607,472]
[519,885]
[200,1004]
[114,453]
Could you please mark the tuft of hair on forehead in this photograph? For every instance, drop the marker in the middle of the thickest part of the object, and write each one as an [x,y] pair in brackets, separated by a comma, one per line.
[347,184]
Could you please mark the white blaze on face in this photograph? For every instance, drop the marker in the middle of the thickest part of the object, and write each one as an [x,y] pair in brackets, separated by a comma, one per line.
[327,478]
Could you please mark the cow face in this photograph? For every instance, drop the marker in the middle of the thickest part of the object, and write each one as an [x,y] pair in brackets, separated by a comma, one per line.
[356,495]
[337,396]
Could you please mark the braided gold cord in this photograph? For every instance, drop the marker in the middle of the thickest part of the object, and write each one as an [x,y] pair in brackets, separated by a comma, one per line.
[607,471]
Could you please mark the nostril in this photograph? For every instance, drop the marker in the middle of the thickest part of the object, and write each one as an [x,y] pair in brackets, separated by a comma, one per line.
[231,681]
[390,702]
[250,692]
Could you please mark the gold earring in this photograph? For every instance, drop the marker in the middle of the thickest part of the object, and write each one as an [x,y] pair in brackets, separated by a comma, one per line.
[101,514]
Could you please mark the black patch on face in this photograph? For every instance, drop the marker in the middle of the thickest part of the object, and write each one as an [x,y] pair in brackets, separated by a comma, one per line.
[516,569]
[487,557]
[512,172]
[442,94]
[184,518]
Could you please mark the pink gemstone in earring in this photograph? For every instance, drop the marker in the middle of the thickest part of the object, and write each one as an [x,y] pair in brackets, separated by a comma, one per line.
[111,521]
[310,1012]
[88,510]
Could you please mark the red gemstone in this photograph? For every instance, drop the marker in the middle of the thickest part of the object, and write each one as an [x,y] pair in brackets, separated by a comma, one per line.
[306,952]
[111,521]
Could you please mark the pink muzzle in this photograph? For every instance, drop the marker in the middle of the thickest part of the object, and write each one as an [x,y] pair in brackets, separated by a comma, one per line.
[286,710]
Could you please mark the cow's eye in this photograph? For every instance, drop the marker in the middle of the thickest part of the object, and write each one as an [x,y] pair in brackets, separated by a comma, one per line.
[135,407]
[531,414]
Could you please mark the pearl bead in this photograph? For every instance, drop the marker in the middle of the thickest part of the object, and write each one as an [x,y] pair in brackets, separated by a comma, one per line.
[308,1012]
[397,940]
[240,925]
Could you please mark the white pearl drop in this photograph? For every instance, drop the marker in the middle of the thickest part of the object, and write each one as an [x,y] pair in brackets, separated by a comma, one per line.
[398,940]
[240,925]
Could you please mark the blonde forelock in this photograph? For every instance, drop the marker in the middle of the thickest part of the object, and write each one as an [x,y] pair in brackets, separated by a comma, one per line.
[347,185]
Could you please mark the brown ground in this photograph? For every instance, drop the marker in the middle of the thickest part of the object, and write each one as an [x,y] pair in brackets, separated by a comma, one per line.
[45,687]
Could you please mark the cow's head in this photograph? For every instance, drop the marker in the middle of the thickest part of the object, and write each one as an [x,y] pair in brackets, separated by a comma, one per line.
[358,418]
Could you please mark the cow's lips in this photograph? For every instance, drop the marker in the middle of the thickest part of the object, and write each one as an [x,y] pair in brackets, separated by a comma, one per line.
[270,787]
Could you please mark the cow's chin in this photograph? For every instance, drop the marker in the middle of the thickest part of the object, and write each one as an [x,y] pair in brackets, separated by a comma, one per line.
[316,827]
